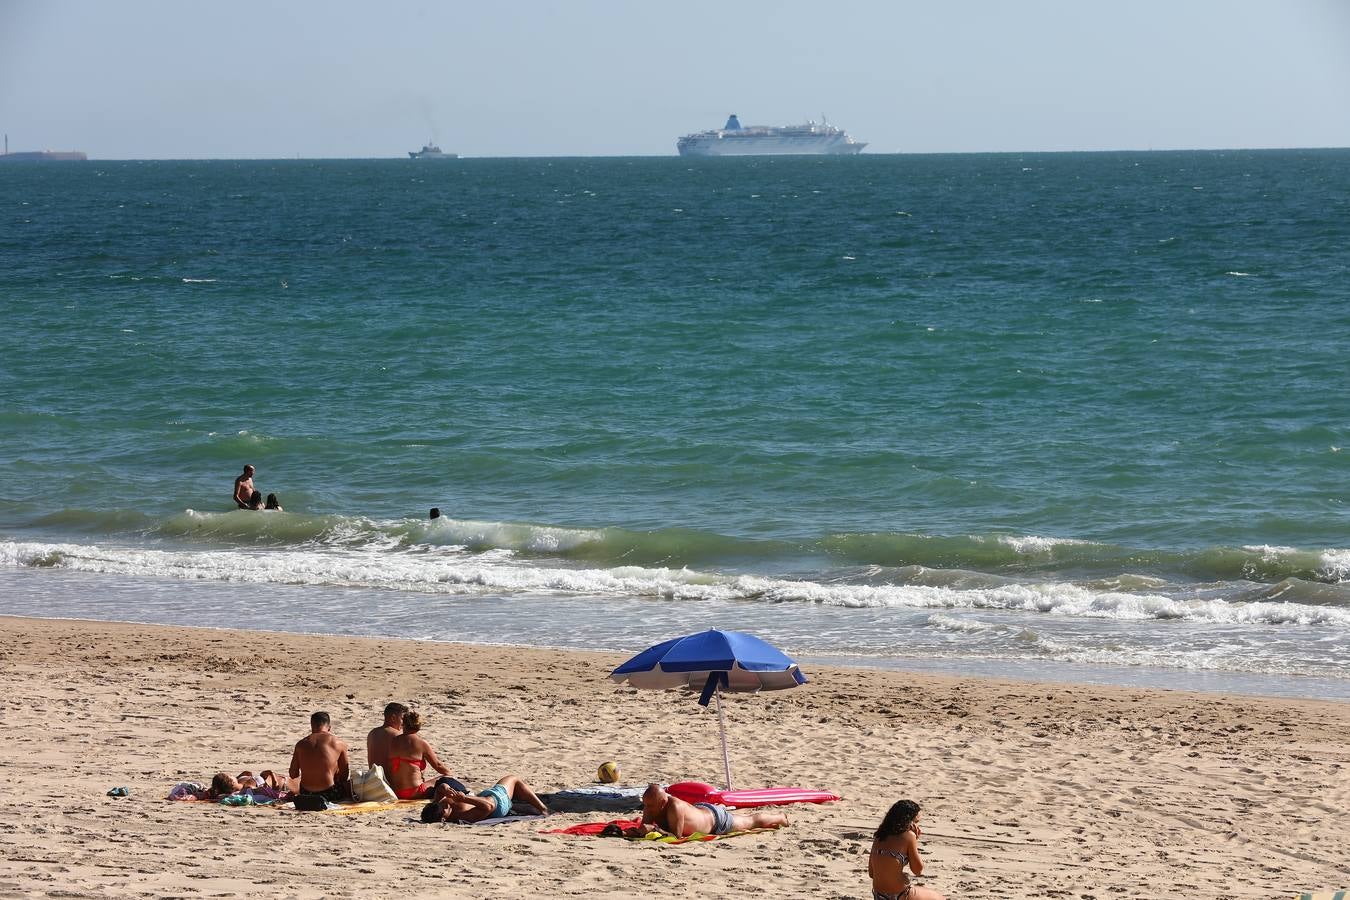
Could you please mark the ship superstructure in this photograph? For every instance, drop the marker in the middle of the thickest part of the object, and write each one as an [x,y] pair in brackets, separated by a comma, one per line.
[734,139]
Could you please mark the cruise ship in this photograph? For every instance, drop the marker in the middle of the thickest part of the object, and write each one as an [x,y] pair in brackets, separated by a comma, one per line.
[733,139]
[431,151]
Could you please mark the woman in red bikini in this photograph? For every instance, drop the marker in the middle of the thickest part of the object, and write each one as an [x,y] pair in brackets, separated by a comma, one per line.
[409,755]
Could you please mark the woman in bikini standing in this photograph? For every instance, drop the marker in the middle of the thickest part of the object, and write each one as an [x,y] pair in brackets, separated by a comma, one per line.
[409,755]
[896,845]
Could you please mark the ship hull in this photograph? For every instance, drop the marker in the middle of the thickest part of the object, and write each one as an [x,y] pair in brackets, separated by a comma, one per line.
[45,156]
[766,147]
[811,139]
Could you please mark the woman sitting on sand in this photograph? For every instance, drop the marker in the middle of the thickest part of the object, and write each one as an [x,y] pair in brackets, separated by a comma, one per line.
[451,805]
[895,845]
[409,755]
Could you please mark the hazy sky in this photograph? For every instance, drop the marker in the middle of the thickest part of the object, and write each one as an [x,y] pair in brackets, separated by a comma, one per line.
[144,79]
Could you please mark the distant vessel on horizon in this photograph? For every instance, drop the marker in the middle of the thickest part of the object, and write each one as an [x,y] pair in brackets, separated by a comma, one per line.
[32,155]
[732,139]
[431,151]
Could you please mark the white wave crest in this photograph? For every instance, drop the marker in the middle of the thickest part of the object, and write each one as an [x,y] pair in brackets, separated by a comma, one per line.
[448,572]
[529,538]
[1029,544]
[1336,564]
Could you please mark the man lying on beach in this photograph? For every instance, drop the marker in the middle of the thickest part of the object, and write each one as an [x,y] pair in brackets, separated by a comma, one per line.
[671,815]
[320,761]
[380,737]
[451,805]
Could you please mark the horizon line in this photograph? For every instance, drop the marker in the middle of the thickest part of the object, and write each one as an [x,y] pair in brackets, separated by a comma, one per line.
[461,157]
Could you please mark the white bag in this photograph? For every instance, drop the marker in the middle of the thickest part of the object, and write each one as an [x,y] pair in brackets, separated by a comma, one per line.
[370,785]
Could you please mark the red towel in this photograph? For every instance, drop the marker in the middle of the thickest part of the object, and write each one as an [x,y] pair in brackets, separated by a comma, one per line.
[594,827]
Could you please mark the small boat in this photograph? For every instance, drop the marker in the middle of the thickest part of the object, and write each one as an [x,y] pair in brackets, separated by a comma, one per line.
[431,151]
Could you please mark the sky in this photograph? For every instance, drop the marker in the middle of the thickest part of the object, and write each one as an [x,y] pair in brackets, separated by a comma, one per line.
[154,79]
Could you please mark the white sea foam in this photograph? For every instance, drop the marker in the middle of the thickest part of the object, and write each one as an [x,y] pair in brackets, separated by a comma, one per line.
[528,538]
[1035,544]
[1333,564]
[455,573]
[1336,564]
[960,625]
[1269,552]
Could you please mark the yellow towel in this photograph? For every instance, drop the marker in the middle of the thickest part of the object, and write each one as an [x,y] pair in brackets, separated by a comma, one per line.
[698,836]
[346,809]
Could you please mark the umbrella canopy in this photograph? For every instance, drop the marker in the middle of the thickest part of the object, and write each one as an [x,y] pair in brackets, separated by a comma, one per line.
[735,661]
[712,662]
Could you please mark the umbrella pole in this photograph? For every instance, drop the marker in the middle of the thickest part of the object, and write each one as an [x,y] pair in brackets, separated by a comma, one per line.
[722,726]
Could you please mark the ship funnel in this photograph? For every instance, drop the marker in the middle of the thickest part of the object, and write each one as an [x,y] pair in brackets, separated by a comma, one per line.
[733,123]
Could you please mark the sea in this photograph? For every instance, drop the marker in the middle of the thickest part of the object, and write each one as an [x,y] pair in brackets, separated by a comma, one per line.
[1061,416]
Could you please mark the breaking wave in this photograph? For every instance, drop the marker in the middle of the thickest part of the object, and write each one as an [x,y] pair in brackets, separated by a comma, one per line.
[458,570]
[1001,555]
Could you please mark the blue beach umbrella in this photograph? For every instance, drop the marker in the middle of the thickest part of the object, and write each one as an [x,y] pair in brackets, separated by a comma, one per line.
[711,662]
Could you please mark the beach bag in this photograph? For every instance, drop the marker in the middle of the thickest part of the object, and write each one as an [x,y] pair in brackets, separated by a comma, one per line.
[369,784]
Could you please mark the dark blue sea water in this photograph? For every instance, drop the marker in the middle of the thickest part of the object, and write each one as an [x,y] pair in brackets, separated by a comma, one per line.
[1051,413]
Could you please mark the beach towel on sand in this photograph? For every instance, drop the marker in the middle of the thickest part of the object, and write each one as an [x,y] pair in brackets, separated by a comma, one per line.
[594,828]
[597,828]
[502,820]
[347,809]
[1326,895]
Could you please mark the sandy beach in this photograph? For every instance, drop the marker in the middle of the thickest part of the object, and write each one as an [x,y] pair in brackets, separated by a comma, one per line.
[1028,790]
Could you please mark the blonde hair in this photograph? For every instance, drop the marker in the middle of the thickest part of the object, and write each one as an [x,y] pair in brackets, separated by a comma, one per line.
[412,722]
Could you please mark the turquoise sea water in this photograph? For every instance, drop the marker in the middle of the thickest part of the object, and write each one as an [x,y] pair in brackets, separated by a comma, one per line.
[1057,413]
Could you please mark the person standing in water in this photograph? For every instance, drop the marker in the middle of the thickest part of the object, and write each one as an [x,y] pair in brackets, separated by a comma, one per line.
[243,488]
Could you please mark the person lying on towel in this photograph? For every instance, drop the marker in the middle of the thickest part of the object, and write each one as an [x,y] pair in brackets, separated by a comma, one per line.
[266,782]
[451,805]
[671,815]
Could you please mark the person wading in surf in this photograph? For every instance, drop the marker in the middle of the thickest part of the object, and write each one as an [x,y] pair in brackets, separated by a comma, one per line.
[243,488]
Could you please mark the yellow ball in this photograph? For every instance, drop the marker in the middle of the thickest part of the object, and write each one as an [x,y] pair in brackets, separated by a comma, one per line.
[608,772]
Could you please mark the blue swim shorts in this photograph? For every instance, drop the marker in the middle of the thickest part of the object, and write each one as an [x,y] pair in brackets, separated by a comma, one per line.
[721,817]
[498,793]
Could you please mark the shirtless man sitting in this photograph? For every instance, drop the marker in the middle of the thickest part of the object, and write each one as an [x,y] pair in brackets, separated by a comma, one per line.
[662,812]
[320,761]
[243,488]
[380,737]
